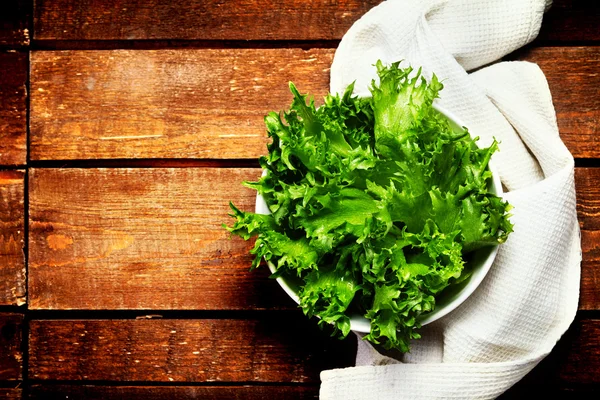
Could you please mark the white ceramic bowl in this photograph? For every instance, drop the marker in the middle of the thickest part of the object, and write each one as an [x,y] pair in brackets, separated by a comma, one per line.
[480,263]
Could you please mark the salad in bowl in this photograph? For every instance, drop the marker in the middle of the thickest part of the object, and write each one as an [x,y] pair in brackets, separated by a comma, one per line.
[376,214]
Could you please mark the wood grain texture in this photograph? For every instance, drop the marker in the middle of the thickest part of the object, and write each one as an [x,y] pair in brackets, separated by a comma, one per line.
[211,103]
[165,103]
[90,392]
[567,20]
[12,238]
[152,239]
[14,23]
[13,108]
[283,349]
[579,357]
[287,350]
[589,295]
[523,390]
[572,74]
[571,21]
[11,393]
[11,356]
[199,19]
[587,184]
[142,239]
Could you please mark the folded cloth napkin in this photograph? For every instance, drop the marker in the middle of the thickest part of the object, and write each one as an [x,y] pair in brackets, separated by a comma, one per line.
[529,297]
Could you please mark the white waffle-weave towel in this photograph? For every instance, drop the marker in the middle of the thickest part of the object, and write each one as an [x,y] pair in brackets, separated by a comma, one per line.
[530,296]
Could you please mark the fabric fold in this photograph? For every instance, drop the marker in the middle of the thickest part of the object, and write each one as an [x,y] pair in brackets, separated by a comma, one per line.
[530,296]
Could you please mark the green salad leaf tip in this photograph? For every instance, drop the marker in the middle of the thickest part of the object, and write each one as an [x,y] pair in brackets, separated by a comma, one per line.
[376,204]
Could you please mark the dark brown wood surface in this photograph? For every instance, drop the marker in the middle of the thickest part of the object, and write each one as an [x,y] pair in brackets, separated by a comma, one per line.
[11,354]
[14,23]
[211,103]
[12,234]
[187,86]
[587,186]
[589,297]
[10,393]
[90,392]
[271,349]
[587,182]
[571,21]
[152,239]
[85,392]
[567,20]
[206,103]
[579,360]
[198,19]
[142,239]
[572,74]
[13,107]
[279,348]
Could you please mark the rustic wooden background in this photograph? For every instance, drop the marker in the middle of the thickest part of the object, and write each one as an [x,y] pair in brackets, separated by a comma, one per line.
[125,128]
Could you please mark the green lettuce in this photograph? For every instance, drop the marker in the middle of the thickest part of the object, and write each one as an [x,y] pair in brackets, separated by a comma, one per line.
[375,202]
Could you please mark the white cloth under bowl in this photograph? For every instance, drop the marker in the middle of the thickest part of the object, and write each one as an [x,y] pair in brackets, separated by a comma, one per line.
[529,298]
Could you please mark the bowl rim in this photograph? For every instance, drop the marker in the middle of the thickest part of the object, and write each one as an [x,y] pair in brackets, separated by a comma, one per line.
[363,325]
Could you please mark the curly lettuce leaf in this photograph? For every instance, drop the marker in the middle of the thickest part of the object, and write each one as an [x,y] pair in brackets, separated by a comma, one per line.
[375,202]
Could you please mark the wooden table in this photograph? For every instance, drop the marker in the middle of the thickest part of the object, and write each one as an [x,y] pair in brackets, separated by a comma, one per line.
[126,126]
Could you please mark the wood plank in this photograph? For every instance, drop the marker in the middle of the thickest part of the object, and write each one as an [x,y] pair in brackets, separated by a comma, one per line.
[579,360]
[567,20]
[247,351]
[11,356]
[285,348]
[571,21]
[523,390]
[13,108]
[142,239]
[199,19]
[10,393]
[14,23]
[572,74]
[211,103]
[587,183]
[84,392]
[145,239]
[587,186]
[589,295]
[12,238]
[73,392]
[165,103]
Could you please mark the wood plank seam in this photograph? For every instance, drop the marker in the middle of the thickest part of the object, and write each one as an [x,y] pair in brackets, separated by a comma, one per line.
[210,103]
